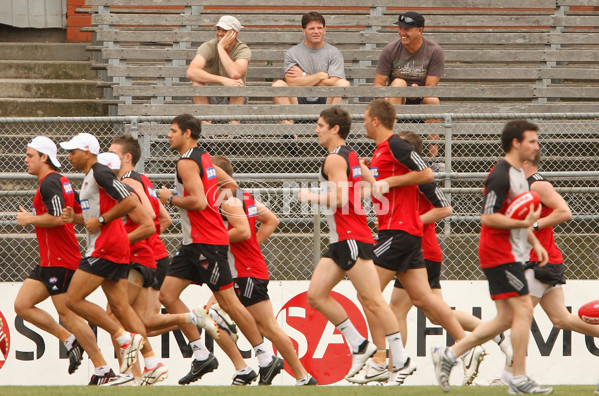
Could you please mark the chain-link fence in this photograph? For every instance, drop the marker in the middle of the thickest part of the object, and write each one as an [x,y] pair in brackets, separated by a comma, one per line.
[275,160]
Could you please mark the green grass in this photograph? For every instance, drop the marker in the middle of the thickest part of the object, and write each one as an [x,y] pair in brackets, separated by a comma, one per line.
[574,390]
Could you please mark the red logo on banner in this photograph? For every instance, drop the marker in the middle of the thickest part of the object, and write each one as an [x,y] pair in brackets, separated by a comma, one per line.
[320,346]
[4,340]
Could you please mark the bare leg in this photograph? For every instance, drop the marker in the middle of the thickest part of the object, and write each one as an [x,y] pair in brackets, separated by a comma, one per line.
[229,302]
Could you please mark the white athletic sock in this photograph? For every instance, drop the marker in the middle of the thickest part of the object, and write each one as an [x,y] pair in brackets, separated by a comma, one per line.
[451,354]
[69,342]
[264,354]
[244,370]
[102,370]
[304,380]
[151,361]
[200,352]
[399,356]
[499,338]
[124,338]
[353,337]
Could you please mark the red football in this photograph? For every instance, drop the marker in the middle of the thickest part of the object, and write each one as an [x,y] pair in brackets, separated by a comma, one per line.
[589,312]
[520,204]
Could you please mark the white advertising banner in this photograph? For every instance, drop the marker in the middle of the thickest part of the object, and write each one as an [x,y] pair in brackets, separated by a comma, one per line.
[552,353]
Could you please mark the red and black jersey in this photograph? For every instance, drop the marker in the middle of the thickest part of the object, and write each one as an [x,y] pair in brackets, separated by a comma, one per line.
[398,210]
[430,196]
[58,246]
[154,240]
[501,246]
[545,235]
[100,192]
[348,221]
[202,226]
[140,251]
[245,258]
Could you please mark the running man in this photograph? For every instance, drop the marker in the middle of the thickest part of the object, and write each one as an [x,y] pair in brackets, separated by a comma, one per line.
[202,258]
[350,250]
[503,250]
[104,200]
[59,258]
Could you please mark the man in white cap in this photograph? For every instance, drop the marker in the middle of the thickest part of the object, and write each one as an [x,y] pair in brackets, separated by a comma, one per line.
[221,61]
[104,200]
[59,258]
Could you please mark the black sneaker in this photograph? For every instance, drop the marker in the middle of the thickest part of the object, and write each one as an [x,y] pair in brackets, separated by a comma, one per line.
[268,373]
[110,379]
[245,379]
[310,382]
[75,354]
[198,369]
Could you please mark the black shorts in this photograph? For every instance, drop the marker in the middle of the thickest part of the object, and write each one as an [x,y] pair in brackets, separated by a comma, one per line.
[251,290]
[202,263]
[398,251]
[146,273]
[507,280]
[301,100]
[161,269]
[56,279]
[415,101]
[433,271]
[550,274]
[346,253]
[105,268]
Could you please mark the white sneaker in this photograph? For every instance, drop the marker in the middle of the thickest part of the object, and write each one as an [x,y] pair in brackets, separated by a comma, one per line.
[398,377]
[206,322]
[527,385]
[129,351]
[370,373]
[443,365]
[153,375]
[224,321]
[471,363]
[506,347]
[358,360]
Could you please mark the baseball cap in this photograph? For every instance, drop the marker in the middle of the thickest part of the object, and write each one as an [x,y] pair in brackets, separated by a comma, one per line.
[111,160]
[229,22]
[45,146]
[82,141]
[410,19]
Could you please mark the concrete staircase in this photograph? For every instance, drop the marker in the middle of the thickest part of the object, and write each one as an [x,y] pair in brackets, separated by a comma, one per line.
[48,79]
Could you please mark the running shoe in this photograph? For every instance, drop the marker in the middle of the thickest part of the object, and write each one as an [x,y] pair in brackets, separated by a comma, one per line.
[244,379]
[268,373]
[153,375]
[198,369]
[472,361]
[129,351]
[358,359]
[206,322]
[527,385]
[75,355]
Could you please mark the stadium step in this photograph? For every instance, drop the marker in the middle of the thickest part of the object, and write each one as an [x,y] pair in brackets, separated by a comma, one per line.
[48,79]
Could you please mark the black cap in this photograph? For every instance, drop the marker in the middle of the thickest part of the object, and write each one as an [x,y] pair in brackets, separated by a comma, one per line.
[410,19]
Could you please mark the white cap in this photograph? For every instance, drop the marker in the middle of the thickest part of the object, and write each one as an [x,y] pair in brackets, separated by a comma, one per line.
[45,146]
[82,141]
[228,22]
[111,160]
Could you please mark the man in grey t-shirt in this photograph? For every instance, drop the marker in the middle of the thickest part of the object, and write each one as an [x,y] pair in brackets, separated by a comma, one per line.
[410,61]
[312,63]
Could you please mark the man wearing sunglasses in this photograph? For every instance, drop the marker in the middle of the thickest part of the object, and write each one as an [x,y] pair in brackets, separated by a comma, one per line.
[410,61]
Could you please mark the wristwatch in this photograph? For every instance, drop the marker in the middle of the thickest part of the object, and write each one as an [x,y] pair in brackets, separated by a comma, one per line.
[101,220]
[304,74]
[535,225]
[169,200]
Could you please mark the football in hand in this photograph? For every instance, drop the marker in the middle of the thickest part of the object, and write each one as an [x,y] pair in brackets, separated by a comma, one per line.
[589,312]
[520,205]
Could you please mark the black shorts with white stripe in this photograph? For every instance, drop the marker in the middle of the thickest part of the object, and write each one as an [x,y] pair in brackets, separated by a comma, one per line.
[251,290]
[398,251]
[346,253]
[507,280]
[56,279]
[202,263]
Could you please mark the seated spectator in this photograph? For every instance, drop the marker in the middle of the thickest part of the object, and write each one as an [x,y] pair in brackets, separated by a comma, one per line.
[221,61]
[410,61]
[312,63]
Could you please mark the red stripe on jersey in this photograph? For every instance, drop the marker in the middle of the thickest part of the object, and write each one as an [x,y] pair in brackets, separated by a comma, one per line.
[249,261]
[503,296]
[58,246]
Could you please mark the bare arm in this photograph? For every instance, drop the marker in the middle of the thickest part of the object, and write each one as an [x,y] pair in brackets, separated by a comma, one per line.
[164,218]
[235,69]
[268,222]
[538,248]
[119,210]
[436,214]
[432,81]
[294,77]
[140,217]
[335,168]
[379,80]
[196,73]
[189,172]
[141,194]
[238,221]
[45,220]
[551,198]
[499,220]
[411,178]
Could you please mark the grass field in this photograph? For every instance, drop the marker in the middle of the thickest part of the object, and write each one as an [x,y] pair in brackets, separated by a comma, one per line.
[574,390]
